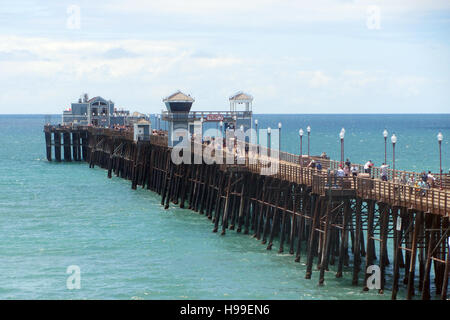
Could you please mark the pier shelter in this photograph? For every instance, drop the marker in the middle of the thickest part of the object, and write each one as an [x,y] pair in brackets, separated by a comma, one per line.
[180,116]
[142,130]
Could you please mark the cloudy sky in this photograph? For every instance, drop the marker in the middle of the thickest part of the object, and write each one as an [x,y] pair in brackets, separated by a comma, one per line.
[293,56]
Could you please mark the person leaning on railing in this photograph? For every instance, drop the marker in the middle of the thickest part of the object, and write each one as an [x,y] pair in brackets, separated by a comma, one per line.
[318,166]
[384,173]
[430,180]
[368,168]
[340,174]
[354,170]
[423,188]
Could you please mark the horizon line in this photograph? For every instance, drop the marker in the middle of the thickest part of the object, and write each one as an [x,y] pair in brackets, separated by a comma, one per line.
[151,113]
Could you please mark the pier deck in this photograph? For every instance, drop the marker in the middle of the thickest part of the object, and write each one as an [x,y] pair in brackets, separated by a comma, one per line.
[334,221]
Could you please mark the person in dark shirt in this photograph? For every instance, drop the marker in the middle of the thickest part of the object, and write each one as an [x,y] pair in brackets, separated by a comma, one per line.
[318,166]
[424,176]
[348,163]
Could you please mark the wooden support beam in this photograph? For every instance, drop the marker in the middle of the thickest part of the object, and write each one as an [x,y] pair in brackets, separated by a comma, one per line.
[370,244]
[344,237]
[358,237]
[316,205]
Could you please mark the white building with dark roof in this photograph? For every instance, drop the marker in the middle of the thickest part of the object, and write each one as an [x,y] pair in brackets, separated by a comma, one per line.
[97,111]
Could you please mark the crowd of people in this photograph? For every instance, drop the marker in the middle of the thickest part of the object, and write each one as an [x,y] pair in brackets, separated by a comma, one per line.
[158,132]
[422,183]
[121,128]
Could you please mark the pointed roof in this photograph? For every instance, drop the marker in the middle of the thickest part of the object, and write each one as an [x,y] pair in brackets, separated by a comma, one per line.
[178,96]
[98,98]
[143,121]
[241,96]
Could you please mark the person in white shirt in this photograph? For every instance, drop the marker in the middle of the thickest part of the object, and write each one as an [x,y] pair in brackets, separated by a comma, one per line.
[368,167]
[354,169]
[340,173]
[430,179]
[384,173]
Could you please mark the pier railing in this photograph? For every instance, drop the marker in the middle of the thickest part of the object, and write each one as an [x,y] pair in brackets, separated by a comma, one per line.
[427,200]
[375,172]
[260,159]
[196,115]
[160,140]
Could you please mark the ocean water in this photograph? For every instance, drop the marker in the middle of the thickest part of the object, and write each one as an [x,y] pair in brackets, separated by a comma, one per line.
[55,215]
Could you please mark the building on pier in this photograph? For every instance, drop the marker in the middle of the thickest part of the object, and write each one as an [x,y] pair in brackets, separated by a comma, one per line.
[98,111]
[180,117]
[142,130]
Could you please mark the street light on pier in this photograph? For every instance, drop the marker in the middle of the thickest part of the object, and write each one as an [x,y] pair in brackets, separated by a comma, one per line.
[201,132]
[279,146]
[279,136]
[341,136]
[308,129]
[440,137]
[257,137]
[300,133]
[268,141]
[394,141]
[221,133]
[385,135]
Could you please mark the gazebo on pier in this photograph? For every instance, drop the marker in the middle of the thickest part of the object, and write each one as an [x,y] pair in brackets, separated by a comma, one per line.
[180,116]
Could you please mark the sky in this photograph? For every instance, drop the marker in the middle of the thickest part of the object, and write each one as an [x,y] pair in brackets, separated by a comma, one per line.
[292,56]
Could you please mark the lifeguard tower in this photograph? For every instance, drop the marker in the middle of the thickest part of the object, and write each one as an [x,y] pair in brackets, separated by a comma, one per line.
[180,116]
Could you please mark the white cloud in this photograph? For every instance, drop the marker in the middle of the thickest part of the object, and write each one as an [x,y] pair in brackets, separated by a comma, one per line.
[100,60]
[408,86]
[232,11]
[315,79]
[359,78]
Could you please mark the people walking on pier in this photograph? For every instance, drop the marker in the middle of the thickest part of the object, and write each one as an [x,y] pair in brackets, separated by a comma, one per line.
[424,176]
[410,181]
[403,179]
[430,180]
[348,163]
[368,167]
[354,170]
[384,173]
[318,166]
[340,173]
[423,188]
[347,170]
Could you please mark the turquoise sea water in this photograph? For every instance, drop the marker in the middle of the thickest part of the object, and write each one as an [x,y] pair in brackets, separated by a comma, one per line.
[53,215]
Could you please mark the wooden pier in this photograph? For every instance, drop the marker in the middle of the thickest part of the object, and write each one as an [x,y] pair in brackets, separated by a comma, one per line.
[355,222]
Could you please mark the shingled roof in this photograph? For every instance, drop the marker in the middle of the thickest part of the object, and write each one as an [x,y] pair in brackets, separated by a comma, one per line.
[241,96]
[97,98]
[179,96]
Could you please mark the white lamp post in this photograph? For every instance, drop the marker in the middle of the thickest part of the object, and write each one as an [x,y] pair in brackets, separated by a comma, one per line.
[385,135]
[300,133]
[341,136]
[257,137]
[308,129]
[201,132]
[440,137]
[279,136]
[394,141]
